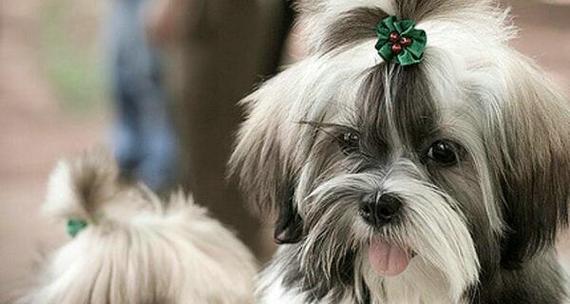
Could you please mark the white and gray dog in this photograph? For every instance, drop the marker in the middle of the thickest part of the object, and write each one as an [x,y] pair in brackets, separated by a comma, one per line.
[439,182]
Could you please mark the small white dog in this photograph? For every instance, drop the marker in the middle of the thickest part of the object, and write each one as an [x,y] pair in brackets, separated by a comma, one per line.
[412,157]
[130,247]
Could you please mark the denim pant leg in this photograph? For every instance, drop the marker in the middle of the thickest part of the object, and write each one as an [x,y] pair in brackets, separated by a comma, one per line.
[143,137]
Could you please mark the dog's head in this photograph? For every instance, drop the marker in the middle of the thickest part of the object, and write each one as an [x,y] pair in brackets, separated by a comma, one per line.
[458,163]
[129,246]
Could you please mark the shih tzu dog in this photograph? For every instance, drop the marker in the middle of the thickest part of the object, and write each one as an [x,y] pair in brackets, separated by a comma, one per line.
[412,157]
[131,247]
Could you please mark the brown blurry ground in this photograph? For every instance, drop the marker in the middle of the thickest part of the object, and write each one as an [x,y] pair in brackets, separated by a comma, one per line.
[52,105]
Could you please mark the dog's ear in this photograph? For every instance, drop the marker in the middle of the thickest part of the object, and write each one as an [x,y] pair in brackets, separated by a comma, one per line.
[532,159]
[264,157]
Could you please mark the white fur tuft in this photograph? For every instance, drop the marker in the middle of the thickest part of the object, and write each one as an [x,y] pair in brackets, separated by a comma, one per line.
[61,198]
[79,188]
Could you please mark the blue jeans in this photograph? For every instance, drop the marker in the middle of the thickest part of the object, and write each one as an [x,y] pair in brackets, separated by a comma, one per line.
[143,136]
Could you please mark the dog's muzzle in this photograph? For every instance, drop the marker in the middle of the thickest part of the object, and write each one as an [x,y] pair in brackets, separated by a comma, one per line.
[379,209]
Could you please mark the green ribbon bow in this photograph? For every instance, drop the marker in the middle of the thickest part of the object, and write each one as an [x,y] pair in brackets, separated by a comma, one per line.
[74,226]
[400,41]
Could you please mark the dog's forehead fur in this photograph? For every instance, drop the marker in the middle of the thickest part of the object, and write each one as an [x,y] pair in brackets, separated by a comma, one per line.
[402,114]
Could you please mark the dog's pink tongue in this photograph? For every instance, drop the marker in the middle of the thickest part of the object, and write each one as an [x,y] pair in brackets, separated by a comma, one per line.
[387,259]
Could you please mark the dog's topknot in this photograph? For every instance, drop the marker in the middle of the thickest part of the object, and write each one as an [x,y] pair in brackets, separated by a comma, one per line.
[425,9]
[411,9]
[80,187]
[331,24]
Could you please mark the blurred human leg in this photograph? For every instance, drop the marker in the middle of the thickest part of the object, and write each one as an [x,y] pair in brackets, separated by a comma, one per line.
[143,137]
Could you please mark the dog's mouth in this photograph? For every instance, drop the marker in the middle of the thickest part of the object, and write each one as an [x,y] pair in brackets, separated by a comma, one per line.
[388,259]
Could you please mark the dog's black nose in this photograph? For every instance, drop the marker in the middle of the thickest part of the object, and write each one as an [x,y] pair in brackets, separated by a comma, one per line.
[380,209]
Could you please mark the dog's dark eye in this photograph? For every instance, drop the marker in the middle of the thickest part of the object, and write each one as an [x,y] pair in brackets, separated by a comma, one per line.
[444,153]
[349,142]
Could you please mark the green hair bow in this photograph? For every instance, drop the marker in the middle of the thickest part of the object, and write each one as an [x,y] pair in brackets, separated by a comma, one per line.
[400,41]
[74,226]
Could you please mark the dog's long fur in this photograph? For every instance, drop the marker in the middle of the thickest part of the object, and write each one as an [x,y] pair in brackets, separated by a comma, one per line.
[137,248]
[483,229]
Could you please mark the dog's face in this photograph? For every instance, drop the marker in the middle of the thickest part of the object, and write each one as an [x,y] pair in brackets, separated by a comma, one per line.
[377,172]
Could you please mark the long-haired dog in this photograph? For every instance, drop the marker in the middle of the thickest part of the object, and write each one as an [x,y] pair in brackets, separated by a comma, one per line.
[440,182]
[131,247]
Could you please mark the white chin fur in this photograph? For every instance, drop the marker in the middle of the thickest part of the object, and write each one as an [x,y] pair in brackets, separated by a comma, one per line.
[446,263]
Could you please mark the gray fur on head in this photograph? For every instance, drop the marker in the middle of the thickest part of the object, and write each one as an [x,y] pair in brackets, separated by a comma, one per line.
[483,228]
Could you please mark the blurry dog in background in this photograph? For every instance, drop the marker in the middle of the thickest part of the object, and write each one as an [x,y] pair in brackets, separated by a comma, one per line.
[440,182]
[131,247]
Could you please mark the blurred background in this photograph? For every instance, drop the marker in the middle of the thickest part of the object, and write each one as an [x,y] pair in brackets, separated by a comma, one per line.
[60,95]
